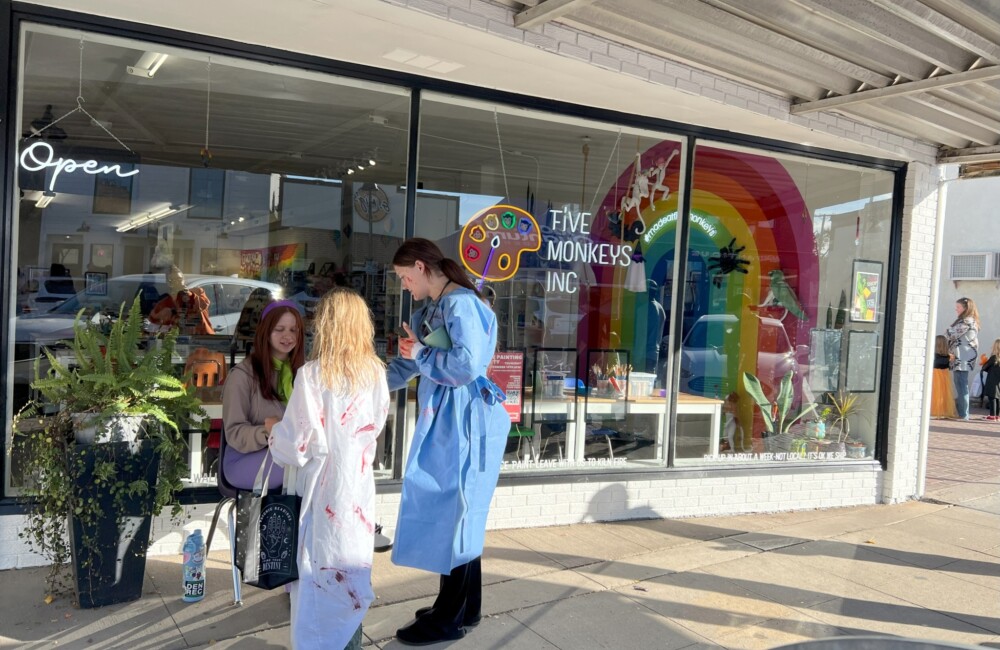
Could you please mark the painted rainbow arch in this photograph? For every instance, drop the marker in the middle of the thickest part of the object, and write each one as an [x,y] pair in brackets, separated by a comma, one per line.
[740,199]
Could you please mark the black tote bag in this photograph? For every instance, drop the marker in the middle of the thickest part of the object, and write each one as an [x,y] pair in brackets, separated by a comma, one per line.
[267,534]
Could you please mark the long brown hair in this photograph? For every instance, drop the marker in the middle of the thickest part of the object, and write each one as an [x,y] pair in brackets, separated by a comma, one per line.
[941,345]
[344,342]
[424,250]
[261,357]
[968,311]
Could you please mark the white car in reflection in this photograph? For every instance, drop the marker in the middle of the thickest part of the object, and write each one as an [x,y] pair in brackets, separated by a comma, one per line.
[227,296]
[705,365]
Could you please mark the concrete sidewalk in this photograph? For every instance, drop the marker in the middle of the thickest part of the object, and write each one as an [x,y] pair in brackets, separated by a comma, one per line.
[928,569]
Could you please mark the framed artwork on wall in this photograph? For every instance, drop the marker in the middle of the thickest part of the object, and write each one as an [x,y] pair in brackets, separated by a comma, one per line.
[113,193]
[102,256]
[96,283]
[866,291]
[824,360]
[862,361]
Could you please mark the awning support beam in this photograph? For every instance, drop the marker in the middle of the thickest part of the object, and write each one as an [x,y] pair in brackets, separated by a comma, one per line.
[907,88]
[969,155]
[547,10]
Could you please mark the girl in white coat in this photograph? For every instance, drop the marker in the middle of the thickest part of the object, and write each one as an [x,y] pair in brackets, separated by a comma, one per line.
[329,432]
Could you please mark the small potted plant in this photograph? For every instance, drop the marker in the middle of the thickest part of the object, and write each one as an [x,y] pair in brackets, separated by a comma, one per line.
[103,452]
[843,406]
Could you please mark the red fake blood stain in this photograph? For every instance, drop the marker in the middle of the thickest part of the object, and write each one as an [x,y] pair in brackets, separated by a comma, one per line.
[364,520]
[368,428]
[330,513]
[302,447]
[365,455]
[349,414]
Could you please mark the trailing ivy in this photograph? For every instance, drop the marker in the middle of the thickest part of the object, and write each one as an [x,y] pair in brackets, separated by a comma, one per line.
[114,368]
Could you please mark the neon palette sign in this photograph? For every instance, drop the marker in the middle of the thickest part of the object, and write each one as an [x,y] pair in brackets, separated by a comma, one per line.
[41,155]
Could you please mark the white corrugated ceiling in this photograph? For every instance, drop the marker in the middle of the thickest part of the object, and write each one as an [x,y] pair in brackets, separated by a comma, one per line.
[929,69]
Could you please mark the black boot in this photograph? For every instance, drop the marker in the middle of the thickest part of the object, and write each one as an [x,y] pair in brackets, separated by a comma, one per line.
[424,631]
[467,621]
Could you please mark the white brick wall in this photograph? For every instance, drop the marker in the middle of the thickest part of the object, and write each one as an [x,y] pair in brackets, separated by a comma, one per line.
[568,503]
[912,320]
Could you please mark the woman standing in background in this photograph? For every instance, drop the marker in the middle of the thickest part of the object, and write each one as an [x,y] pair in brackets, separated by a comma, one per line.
[963,348]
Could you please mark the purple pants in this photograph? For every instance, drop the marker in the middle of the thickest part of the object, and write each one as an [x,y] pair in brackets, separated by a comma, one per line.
[241,469]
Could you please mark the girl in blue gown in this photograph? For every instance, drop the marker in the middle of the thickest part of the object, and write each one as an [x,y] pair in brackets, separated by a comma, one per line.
[457,447]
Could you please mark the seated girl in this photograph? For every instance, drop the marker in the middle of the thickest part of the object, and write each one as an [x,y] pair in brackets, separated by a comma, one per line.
[257,390]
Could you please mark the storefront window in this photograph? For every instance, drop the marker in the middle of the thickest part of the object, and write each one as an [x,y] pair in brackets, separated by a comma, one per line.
[204,186]
[550,213]
[783,307]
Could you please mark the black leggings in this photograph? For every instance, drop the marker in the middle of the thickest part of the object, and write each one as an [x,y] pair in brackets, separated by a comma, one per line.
[994,406]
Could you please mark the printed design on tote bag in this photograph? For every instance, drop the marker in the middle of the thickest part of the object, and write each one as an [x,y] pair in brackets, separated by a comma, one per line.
[277,522]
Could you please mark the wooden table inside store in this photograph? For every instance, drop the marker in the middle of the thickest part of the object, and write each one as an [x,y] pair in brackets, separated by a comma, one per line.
[687,404]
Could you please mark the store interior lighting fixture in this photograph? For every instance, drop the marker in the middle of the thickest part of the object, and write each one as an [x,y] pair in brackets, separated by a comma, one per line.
[44,200]
[147,65]
[44,123]
[150,217]
[359,164]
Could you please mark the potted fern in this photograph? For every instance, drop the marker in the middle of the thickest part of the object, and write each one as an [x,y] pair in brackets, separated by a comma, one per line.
[103,453]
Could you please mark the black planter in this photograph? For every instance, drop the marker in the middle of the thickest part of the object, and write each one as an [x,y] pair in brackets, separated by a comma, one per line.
[111,570]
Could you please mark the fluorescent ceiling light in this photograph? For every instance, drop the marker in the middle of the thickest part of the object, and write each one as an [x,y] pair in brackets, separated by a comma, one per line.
[147,65]
[44,200]
[399,55]
[150,217]
[422,61]
[444,67]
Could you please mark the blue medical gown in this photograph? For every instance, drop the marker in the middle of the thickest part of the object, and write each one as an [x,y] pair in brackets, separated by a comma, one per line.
[459,441]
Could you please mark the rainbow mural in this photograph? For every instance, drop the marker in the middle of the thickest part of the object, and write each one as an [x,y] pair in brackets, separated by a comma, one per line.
[740,199]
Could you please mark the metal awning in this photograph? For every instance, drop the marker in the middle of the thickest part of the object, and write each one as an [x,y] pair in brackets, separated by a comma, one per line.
[928,69]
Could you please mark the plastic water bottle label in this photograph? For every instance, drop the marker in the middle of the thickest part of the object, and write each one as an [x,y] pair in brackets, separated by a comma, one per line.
[194,569]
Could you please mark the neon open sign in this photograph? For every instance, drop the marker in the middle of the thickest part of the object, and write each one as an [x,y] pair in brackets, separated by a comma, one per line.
[40,155]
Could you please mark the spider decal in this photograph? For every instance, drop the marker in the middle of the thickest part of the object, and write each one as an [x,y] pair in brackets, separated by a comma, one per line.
[726,261]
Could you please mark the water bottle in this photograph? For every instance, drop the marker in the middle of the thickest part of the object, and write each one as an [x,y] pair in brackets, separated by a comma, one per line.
[194,567]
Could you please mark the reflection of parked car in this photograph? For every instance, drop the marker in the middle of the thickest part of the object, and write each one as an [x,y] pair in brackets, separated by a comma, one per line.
[227,296]
[705,366]
[53,291]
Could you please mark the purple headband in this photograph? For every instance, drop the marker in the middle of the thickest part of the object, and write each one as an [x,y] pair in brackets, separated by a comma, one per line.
[291,304]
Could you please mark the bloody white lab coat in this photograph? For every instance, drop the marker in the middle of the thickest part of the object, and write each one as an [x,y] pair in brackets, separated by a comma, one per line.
[331,438]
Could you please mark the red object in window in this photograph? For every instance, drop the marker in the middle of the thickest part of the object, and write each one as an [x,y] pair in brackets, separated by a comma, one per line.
[214,434]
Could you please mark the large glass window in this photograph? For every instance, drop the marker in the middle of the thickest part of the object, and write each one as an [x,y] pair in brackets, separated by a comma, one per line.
[783,310]
[180,175]
[554,215]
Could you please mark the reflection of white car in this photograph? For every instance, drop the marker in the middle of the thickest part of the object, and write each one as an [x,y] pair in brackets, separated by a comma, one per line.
[705,365]
[51,292]
[227,296]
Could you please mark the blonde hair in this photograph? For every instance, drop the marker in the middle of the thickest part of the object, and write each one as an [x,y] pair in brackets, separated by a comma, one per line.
[344,342]
[941,345]
[996,348]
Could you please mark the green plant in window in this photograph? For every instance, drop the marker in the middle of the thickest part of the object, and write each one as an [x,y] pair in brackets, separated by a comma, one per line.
[843,406]
[776,414]
[111,372]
